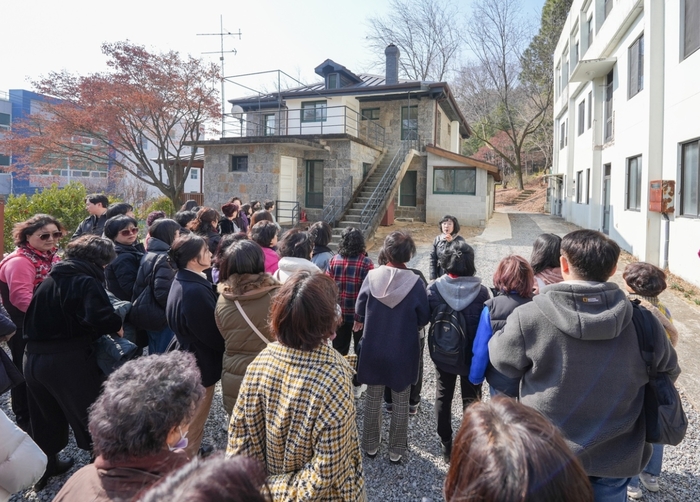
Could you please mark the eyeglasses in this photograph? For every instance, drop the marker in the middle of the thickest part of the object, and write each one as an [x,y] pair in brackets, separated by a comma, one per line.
[55,235]
[129,231]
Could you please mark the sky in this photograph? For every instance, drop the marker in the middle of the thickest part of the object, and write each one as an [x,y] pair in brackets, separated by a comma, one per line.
[294,36]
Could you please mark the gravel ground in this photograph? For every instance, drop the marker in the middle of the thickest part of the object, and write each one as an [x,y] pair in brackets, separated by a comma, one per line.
[421,474]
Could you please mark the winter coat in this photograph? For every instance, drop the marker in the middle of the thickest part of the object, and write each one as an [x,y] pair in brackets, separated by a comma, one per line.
[91,225]
[190,314]
[152,287]
[120,274]
[122,480]
[213,238]
[71,305]
[288,265]
[254,292]
[439,245]
[464,294]
[227,226]
[321,256]
[22,462]
[575,350]
[272,260]
[392,304]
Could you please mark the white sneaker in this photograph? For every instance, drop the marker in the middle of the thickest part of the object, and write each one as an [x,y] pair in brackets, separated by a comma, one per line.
[359,390]
[650,482]
[634,492]
[394,458]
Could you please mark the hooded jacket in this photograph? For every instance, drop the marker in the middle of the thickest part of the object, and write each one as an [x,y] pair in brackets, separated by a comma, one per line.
[288,265]
[575,350]
[152,287]
[393,304]
[120,274]
[254,292]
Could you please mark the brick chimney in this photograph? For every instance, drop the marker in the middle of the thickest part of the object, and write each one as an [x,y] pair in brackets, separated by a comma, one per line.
[392,64]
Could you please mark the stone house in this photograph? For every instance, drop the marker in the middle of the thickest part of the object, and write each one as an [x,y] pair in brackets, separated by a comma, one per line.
[350,150]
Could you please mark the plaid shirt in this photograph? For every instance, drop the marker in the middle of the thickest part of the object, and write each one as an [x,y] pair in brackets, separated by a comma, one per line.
[295,413]
[349,274]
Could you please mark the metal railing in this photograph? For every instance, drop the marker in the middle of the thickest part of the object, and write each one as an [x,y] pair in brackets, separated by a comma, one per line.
[288,212]
[303,121]
[371,208]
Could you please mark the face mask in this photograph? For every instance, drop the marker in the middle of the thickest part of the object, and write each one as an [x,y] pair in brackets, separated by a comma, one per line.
[180,444]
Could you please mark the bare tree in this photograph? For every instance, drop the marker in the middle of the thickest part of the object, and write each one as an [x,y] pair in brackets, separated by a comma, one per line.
[492,94]
[427,33]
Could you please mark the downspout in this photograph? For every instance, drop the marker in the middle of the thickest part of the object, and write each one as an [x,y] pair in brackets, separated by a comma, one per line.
[667,239]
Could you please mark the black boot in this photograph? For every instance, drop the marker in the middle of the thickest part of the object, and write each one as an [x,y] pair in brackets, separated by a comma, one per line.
[54,467]
[446,448]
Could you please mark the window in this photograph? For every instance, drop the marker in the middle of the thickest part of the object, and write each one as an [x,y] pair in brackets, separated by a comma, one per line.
[635,56]
[589,25]
[565,68]
[409,122]
[588,185]
[366,166]
[314,183]
[194,174]
[370,114]
[562,134]
[4,160]
[581,117]
[407,189]
[608,8]
[690,38]
[270,124]
[454,181]
[608,136]
[579,187]
[313,111]
[557,79]
[590,108]
[238,163]
[574,60]
[4,120]
[634,183]
[690,179]
[333,81]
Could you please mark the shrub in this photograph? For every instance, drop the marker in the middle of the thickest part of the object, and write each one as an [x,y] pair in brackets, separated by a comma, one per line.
[164,204]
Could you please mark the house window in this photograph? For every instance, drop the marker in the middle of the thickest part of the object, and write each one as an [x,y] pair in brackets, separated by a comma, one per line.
[609,106]
[366,166]
[557,79]
[370,114]
[194,174]
[690,38]
[454,181]
[333,81]
[579,187]
[574,61]
[635,56]
[270,124]
[590,108]
[588,185]
[409,122]
[313,111]
[581,117]
[634,183]
[565,68]
[608,8]
[4,120]
[690,179]
[4,160]
[589,25]
[238,163]
[562,134]
[407,189]
[314,183]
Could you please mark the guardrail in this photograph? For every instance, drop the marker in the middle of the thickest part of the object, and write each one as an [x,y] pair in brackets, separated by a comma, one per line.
[288,212]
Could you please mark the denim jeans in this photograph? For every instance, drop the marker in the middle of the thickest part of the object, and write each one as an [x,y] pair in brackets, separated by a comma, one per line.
[609,489]
[654,465]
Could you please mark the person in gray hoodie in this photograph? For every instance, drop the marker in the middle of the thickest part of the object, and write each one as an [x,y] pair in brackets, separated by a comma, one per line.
[575,350]
[391,306]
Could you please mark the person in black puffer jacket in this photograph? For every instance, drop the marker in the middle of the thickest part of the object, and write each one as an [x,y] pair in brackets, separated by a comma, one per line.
[153,281]
[514,280]
[449,226]
[121,273]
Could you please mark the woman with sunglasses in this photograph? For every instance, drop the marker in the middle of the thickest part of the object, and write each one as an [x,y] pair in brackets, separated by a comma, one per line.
[121,273]
[20,274]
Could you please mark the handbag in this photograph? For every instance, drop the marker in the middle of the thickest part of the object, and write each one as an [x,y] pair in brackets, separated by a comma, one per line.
[250,323]
[10,376]
[113,351]
[666,422]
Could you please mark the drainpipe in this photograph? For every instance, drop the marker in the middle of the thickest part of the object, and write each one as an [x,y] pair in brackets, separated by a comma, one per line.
[667,233]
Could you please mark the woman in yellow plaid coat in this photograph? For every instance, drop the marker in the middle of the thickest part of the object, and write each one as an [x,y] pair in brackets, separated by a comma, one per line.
[295,410]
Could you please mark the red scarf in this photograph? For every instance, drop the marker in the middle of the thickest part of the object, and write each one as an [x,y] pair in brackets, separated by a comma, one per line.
[42,260]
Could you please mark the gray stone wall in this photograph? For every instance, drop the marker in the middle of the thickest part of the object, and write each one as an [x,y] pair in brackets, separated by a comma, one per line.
[390,118]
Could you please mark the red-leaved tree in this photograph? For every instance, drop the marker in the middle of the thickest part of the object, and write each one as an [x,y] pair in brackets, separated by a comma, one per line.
[147,102]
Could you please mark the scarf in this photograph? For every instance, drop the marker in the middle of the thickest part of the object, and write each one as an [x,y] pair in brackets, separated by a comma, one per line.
[42,260]
[550,275]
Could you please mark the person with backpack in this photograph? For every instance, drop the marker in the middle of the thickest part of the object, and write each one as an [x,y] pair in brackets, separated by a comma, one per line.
[456,300]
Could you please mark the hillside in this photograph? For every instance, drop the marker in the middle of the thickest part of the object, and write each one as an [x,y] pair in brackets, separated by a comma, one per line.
[530,200]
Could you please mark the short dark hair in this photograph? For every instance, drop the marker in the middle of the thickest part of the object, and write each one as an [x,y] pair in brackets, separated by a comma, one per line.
[164,230]
[592,255]
[234,199]
[245,208]
[263,232]
[303,313]
[514,273]
[190,205]
[269,204]
[141,402]
[91,248]
[228,209]
[254,203]
[399,247]
[321,233]
[509,452]
[117,223]
[186,248]
[206,221]
[241,257]
[118,208]
[352,243]
[213,479]
[295,244]
[458,259]
[261,215]
[22,230]
[546,251]
[454,221]
[153,216]
[98,198]
[645,279]
[184,217]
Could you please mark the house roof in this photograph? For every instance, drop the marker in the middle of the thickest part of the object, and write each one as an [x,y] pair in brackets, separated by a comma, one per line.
[467,161]
[330,66]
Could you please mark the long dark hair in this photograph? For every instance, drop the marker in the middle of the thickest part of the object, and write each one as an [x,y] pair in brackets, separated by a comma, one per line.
[545,252]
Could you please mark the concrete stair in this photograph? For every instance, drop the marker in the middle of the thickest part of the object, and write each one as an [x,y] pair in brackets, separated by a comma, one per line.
[522,197]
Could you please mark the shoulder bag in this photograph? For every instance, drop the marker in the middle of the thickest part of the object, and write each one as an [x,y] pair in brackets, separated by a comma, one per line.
[250,323]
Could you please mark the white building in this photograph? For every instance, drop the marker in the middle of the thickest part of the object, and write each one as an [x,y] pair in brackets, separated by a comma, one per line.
[626,112]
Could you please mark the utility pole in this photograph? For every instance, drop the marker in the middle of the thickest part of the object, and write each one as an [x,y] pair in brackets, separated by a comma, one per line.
[221,52]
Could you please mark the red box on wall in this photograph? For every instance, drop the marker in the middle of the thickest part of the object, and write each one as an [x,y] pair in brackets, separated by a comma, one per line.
[661,196]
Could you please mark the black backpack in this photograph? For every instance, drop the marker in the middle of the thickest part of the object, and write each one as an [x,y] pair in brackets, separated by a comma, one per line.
[448,341]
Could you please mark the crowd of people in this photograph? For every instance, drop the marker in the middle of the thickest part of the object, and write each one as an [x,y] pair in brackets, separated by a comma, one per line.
[230,297]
